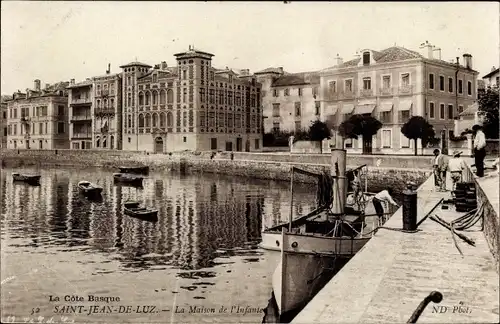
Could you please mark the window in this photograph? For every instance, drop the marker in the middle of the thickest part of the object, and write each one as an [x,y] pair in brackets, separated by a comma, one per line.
[441,83]
[386,138]
[332,86]
[386,81]
[276,109]
[441,111]
[497,81]
[403,115]
[276,127]
[460,109]
[191,72]
[431,110]
[469,88]
[184,139]
[431,81]
[405,79]
[450,111]
[460,86]
[257,143]
[213,143]
[317,106]
[386,117]
[184,74]
[367,83]
[348,143]
[155,78]
[287,92]
[60,128]
[275,93]
[450,85]
[298,125]
[348,85]
[297,109]
[300,91]
[366,58]
[315,91]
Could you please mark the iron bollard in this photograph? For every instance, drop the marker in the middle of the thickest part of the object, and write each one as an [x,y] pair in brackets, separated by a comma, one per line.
[409,209]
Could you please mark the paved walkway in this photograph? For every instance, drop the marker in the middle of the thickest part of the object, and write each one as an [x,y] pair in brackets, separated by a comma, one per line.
[395,271]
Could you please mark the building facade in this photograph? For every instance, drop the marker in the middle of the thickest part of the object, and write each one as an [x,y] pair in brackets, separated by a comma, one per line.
[290,100]
[3,122]
[393,85]
[192,106]
[38,118]
[80,99]
[492,79]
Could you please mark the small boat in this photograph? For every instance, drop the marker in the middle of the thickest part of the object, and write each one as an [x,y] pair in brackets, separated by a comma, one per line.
[133,209]
[135,170]
[31,179]
[130,179]
[89,189]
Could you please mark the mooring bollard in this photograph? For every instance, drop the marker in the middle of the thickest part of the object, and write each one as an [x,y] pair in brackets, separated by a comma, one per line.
[409,209]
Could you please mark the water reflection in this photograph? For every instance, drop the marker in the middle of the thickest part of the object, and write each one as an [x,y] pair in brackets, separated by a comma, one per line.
[202,220]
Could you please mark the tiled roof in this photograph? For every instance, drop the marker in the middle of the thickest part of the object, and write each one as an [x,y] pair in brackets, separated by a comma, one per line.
[270,70]
[81,84]
[297,79]
[491,73]
[135,64]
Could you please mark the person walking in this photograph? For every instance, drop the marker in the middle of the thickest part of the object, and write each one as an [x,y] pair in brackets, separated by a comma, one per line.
[439,166]
[379,200]
[456,165]
[479,149]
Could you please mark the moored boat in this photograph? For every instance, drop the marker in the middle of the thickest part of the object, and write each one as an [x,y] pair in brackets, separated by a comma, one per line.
[130,179]
[31,179]
[134,169]
[133,209]
[89,189]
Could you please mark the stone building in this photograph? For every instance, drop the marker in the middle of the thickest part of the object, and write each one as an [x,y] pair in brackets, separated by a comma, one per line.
[192,106]
[3,122]
[392,85]
[290,100]
[492,79]
[80,98]
[38,118]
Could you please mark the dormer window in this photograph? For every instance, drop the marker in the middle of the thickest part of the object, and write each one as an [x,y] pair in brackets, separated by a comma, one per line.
[366,58]
[155,78]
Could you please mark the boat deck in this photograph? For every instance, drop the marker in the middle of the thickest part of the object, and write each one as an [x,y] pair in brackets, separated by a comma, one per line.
[395,271]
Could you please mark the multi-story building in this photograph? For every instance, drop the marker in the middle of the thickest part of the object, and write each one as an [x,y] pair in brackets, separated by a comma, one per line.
[192,106]
[290,100]
[492,79]
[393,85]
[107,117]
[3,122]
[80,98]
[38,119]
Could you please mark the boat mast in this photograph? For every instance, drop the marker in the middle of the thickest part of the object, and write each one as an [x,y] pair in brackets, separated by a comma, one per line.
[338,168]
[291,202]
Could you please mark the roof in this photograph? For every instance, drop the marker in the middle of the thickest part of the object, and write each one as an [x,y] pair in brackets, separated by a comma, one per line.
[491,73]
[470,111]
[271,70]
[193,52]
[136,64]
[81,84]
[297,79]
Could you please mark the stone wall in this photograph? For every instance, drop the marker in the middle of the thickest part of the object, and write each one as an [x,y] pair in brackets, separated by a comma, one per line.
[490,221]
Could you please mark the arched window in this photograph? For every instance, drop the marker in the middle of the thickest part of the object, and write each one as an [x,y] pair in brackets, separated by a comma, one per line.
[129,123]
[148,120]
[98,103]
[105,103]
[162,97]
[155,97]
[141,120]
[141,98]
[163,119]
[129,103]
[170,119]
[104,143]
[111,142]
[112,103]
[97,142]
[170,96]
[155,120]
[147,98]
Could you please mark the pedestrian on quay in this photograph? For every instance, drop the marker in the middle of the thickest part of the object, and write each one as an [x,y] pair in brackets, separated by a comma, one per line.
[456,165]
[380,199]
[439,166]
[479,149]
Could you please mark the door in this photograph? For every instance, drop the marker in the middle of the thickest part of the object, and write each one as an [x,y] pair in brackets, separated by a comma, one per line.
[229,146]
[27,144]
[239,144]
[247,146]
[158,145]
[367,144]
[41,144]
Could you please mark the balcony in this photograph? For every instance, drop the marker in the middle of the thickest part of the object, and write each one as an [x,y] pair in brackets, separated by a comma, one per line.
[406,89]
[81,135]
[104,111]
[366,93]
[81,101]
[24,119]
[386,92]
[346,95]
[81,117]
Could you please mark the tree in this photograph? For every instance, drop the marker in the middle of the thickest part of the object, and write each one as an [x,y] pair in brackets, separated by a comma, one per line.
[357,125]
[488,106]
[417,127]
[318,131]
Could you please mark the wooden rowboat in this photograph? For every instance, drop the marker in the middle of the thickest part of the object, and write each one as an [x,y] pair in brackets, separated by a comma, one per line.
[135,170]
[89,189]
[129,179]
[132,209]
[31,179]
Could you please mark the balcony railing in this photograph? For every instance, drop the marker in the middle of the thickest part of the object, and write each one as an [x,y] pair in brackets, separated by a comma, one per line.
[386,91]
[104,111]
[81,117]
[82,135]
[366,93]
[81,101]
[406,89]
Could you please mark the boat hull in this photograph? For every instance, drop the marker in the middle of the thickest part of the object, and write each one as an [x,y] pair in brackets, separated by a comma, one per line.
[89,190]
[134,170]
[144,214]
[130,180]
[31,179]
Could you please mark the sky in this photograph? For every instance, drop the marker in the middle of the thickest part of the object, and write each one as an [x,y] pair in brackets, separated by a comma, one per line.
[58,41]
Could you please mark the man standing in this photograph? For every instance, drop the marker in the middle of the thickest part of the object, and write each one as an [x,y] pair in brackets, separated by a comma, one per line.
[382,197]
[479,149]
[439,165]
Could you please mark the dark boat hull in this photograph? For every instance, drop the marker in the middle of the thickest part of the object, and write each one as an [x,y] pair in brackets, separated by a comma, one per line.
[128,180]
[89,190]
[142,213]
[134,170]
[31,179]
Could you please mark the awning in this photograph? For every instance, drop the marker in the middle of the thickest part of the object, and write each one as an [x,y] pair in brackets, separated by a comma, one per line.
[405,105]
[347,109]
[331,109]
[385,106]
[364,109]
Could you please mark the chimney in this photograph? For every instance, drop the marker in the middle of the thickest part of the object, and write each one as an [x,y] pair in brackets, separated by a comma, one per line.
[493,68]
[47,86]
[338,60]
[438,51]
[426,50]
[28,93]
[245,71]
[108,71]
[72,81]
[164,65]
[281,69]
[37,85]
[468,61]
